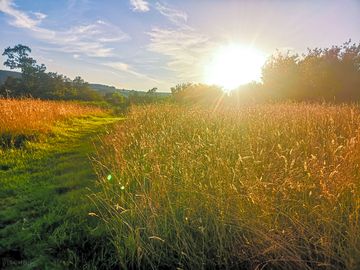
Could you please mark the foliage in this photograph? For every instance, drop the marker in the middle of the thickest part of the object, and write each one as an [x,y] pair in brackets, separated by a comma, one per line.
[253,92]
[190,93]
[35,82]
[151,96]
[21,119]
[331,74]
[250,187]
[18,58]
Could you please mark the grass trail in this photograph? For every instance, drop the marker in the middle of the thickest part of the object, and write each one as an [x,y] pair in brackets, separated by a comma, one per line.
[44,221]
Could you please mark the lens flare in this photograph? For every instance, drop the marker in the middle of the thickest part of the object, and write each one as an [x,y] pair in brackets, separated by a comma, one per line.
[234,65]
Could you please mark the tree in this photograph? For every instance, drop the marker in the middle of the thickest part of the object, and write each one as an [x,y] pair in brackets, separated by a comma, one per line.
[331,74]
[11,87]
[152,90]
[32,74]
[177,89]
[280,75]
[200,94]
[252,92]
[37,83]
[18,58]
[83,90]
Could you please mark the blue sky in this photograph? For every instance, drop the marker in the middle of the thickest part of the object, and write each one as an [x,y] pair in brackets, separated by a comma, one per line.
[139,44]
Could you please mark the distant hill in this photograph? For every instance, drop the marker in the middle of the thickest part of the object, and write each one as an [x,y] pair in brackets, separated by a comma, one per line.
[5,73]
[104,89]
[101,88]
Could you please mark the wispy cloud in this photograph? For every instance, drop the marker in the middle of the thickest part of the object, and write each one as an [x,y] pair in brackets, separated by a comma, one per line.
[139,5]
[123,67]
[89,39]
[185,49]
[19,18]
[174,15]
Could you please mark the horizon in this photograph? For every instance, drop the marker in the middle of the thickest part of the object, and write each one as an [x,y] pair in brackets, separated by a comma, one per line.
[140,44]
[235,145]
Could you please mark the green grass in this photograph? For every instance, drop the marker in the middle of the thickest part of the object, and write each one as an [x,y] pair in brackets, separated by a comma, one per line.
[44,221]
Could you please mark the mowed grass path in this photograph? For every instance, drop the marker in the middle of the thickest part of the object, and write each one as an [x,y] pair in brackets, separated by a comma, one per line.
[44,220]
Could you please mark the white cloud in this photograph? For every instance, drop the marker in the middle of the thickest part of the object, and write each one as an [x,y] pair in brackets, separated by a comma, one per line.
[40,16]
[89,39]
[185,49]
[19,18]
[117,65]
[174,15]
[121,66]
[140,5]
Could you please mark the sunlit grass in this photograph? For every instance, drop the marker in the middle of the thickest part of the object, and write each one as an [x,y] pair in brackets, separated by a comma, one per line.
[44,221]
[22,118]
[265,186]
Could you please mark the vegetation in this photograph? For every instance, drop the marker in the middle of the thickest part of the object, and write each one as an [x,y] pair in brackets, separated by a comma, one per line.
[251,187]
[195,94]
[28,118]
[202,180]
[44,208]
[329,74]
[35,82]
[45,173]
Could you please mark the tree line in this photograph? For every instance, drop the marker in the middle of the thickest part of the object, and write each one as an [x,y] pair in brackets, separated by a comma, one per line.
[37,83]
[321,74]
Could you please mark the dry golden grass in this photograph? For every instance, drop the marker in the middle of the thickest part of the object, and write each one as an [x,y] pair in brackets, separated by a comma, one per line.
[259,187]
[29,116]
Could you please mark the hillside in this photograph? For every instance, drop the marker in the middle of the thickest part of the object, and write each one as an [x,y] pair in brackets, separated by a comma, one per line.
[104,89]
[5,73]
[101,88]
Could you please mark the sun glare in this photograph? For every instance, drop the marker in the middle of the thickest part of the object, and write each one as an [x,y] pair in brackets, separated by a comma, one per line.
[234,65]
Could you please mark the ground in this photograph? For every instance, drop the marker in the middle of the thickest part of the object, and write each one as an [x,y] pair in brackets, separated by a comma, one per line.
[44,208]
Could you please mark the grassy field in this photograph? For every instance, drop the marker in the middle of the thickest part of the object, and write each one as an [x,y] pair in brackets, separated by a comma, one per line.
[23,119]
[272,186]
[44,188]
[257,187]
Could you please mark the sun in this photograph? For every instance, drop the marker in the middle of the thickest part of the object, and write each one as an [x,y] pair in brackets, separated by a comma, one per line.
[234,65]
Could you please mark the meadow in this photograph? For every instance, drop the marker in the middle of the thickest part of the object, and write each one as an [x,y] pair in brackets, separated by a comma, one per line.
[45,180]
[23,119]
[200,135]
[271,186]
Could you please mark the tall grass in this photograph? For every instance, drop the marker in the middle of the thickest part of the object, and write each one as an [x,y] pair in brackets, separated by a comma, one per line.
[21,118]
[258,187]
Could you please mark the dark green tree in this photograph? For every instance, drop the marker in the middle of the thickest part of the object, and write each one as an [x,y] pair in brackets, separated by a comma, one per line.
[152,91]
[18,58]
[36,82]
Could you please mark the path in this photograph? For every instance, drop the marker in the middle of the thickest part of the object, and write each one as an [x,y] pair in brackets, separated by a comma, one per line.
[44,221]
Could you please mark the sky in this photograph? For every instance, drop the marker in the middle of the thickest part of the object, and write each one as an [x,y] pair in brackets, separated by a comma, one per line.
[141,44]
